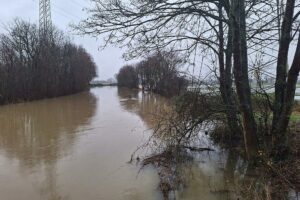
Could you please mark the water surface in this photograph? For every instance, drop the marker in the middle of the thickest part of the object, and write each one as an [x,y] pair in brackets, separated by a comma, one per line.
[77,147]
[73,147]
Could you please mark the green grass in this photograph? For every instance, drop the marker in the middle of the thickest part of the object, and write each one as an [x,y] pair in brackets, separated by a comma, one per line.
[295,118]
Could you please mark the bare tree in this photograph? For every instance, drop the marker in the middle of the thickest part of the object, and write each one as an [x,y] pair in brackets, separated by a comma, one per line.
[34,68]
[160,73]
[286,79]
[235,30]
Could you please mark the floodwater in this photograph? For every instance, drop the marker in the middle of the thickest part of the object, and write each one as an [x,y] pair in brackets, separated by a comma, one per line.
[77,147]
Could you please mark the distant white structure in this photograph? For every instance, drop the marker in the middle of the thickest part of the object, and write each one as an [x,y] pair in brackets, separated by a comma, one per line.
[108,82]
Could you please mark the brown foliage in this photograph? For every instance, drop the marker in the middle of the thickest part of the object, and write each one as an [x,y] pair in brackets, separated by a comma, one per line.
[128,77]
[35,66]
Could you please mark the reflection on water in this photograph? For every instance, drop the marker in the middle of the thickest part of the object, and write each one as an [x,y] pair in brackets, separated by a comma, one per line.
[41,132]
[77,147]
[73,148]
[146,105]
[34,136]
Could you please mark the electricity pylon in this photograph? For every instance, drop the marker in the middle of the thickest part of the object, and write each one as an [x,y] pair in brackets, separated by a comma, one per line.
[45,22]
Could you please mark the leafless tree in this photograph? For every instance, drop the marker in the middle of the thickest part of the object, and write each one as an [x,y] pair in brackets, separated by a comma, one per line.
[160,73]
[235,31]
[35,67]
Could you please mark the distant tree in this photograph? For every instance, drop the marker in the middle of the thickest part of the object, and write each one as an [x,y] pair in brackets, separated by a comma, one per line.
[128,77]
[35,66]
[160,73]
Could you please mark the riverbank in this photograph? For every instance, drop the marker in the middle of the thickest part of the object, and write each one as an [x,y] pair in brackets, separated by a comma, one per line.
[177,141]
[242,180]
[20,101]
[92,85]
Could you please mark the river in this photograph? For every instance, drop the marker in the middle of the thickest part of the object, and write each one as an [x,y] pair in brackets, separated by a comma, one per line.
[77,147]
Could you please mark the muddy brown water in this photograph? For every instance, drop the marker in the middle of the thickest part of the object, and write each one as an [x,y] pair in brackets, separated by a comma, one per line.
[77,147]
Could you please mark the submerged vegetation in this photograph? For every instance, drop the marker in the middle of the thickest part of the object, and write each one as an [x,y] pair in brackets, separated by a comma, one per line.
[178,140]
[35,65]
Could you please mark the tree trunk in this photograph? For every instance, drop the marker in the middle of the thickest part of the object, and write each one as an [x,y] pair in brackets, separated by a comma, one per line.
[290,92]
[282,64]
[241,77]
[285,86]
[226,80]
[280,146]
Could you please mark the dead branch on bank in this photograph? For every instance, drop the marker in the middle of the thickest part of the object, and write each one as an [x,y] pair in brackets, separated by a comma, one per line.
[167,165]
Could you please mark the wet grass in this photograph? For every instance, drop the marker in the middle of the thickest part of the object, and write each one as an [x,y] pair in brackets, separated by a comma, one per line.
[295,117]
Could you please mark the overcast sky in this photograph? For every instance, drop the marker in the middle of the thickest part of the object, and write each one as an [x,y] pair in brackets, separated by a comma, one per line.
[65,12]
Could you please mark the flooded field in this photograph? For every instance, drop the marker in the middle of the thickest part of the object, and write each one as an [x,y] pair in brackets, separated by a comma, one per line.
[77,147]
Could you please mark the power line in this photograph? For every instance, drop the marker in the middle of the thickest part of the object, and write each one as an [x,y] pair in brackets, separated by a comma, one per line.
[65,12]
[78,4]
[62,14]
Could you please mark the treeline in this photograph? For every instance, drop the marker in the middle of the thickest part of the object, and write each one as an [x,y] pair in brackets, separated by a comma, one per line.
[34,65]
[157,73]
